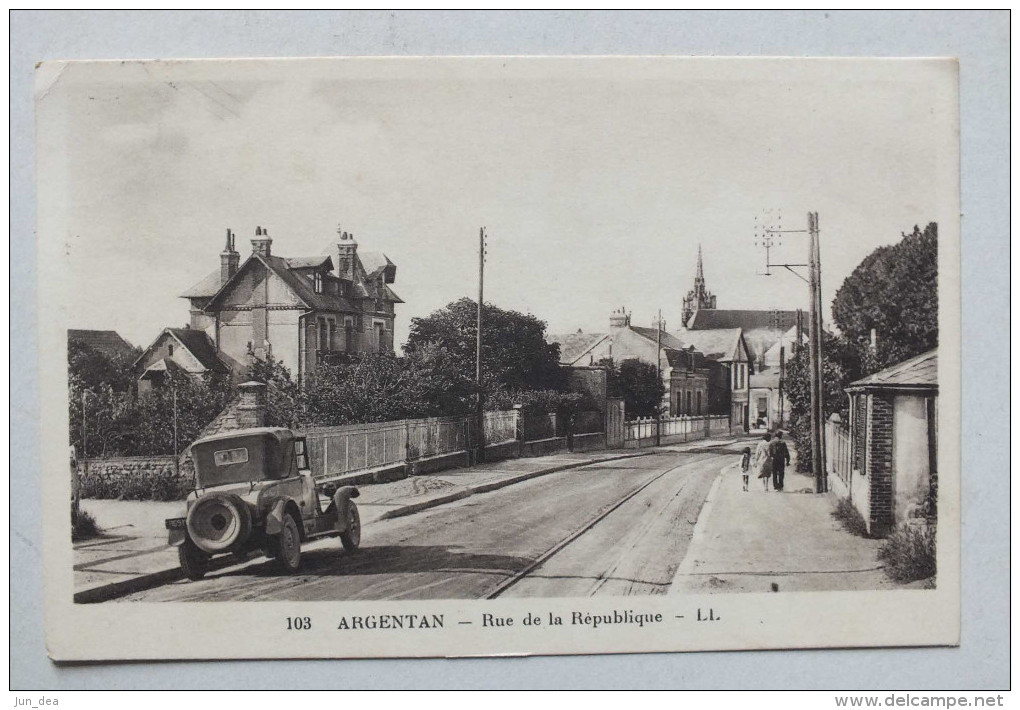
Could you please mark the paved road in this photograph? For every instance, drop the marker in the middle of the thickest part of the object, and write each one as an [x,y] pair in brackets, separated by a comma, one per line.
[613,528]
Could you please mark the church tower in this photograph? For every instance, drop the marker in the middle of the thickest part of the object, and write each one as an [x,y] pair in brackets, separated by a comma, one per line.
[698,297]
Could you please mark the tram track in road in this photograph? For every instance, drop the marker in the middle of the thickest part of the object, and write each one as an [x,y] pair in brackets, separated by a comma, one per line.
[565,542]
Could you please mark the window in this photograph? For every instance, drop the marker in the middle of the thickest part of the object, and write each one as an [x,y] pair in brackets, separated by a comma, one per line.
[318,281]
[348,337]
[170,349]
[687,409]
[230,456]
[323,334]
[698,400]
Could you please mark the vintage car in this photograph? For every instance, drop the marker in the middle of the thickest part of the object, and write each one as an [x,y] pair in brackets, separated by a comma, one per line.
[254,492]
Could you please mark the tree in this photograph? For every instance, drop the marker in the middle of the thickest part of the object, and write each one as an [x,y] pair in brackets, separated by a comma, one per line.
[375,388]
[196,400]
[895,291]
[285,403]
[515,354]
[640,386]
[93,368]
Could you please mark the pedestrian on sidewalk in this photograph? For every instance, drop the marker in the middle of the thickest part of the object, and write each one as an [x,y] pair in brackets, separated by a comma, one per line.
[763,461]
[780,455]
[745,465]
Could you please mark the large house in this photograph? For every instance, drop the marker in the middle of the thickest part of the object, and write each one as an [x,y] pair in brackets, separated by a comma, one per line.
[301,311]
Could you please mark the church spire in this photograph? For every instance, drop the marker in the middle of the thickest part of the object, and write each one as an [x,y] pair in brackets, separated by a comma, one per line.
[698,297]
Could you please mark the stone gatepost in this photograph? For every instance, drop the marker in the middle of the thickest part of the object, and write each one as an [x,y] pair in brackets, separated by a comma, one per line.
[251,405]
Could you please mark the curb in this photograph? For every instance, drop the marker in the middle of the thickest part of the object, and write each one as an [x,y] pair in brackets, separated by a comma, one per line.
[495,485]
[105,592]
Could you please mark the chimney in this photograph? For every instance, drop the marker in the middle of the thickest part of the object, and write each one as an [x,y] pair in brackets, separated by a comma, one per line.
[619,319]
[347,247]
[229,259]
[261,243]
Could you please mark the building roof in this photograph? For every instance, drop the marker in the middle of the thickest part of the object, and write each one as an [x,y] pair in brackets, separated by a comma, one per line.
[574,346]
[666,340]
[304,289]
[920,372]
[718,344]
[108,342]
[715,318]
[309,262]
[201,346]
[374,262]
[206,288]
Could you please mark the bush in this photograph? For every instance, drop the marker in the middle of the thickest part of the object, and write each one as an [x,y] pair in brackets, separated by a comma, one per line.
[850,517]
[83,526]
[909,552]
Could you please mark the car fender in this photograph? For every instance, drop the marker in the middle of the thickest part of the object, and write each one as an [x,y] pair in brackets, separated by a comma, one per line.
[341,499]
[274,518]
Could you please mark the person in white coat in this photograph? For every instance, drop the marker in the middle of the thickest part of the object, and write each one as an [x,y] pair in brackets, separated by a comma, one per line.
[763,460]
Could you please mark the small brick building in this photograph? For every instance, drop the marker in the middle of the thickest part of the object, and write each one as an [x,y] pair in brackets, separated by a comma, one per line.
[893,442]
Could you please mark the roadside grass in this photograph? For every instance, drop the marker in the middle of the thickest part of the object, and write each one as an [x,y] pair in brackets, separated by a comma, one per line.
[83,526]
[909,552]
[848,515]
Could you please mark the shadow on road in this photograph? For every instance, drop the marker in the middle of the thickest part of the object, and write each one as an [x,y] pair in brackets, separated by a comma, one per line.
[389,559]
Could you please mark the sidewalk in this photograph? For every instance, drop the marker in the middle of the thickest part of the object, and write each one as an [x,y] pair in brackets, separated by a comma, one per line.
[784,541]
[133,554]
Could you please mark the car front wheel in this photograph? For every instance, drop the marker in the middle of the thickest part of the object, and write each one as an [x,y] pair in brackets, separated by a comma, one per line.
[288,545]
[351,537]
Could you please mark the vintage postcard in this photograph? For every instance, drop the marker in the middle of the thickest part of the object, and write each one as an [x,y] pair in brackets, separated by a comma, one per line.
[380,357]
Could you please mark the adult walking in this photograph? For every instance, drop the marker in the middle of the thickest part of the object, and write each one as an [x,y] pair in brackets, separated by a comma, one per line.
[763,460]
[780,455]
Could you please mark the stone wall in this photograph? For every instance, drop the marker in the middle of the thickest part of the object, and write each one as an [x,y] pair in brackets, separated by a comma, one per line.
[136,478]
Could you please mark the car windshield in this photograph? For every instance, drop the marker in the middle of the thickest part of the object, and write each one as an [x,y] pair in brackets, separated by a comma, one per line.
[256,457]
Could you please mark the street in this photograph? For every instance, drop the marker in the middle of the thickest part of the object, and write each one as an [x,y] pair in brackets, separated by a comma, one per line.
[612,528]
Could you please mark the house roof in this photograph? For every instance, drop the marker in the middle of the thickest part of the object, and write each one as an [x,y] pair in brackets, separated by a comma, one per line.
[107,342]
[374,262]
[666,340]
[309,262]
[206,288]
[715,318]
[718,344]
[920,372]
[201,346]
[574,346]
[303,287]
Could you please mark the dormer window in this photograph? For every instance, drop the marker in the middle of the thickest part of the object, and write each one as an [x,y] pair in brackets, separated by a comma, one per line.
[318,281]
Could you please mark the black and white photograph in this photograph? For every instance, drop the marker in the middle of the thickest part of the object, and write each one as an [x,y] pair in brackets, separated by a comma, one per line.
[500,355]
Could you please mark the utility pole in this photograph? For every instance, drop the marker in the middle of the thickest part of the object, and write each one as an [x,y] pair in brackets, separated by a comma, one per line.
[815,343]
[177,463]
[658,374]
[782,384]
[818,440]
[479,403]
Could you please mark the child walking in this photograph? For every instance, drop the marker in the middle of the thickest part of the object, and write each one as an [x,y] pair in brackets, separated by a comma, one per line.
[745,465]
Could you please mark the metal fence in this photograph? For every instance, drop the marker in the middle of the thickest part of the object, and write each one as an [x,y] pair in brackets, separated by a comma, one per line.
[838,451]
[672,430]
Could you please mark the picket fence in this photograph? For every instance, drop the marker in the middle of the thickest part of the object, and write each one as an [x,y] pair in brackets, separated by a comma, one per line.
[838,451]
[673,430]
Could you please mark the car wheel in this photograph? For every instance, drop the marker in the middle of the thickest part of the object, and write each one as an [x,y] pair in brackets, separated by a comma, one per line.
[288,545]
[194,562]
[351,537]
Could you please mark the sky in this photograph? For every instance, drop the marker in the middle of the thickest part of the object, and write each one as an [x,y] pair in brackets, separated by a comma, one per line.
[596,180]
